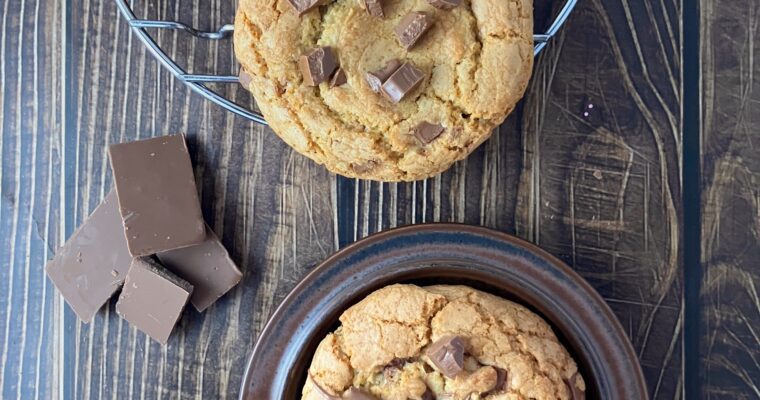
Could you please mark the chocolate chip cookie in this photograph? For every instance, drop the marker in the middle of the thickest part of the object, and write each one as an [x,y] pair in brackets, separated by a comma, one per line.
[441,342]
[457,68]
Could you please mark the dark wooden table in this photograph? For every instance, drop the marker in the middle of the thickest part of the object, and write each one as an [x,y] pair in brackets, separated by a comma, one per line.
[654,196]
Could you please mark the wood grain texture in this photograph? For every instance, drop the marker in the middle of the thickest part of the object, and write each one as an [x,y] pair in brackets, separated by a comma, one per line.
[730,341]
[268,205]
[30,192]
[601,191]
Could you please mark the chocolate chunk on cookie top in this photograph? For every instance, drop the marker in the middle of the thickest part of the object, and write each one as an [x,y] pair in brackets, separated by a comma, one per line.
[374,8]
[92,264]
[426,132]
[304,6]
[339,78]
[158,200]
[447,354]
[402,82]
[317,65]
[378,77]
[445,4]
[412,27]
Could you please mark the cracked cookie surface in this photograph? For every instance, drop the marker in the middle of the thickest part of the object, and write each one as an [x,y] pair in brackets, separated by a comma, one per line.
[476,59]
[380,349]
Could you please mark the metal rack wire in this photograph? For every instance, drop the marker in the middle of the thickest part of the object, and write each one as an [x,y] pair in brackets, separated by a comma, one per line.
[198,83]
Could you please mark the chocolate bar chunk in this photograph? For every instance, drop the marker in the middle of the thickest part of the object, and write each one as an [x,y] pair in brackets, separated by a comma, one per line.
[374,8]
[303,6]
[93,263]
[426,132]
[445,4]
[339,78]
[447,354]
[157,195]
[317,65]
[206,266]
[402,82]
[411,28]
[357,394]
[153,298]
[377,78]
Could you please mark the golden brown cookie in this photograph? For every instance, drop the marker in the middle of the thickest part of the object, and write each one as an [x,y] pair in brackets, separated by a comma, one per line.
[389,347]
[475,59]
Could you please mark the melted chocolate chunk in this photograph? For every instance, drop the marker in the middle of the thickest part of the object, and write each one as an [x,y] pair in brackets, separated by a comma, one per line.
[426,132]
[411,28]
[402,82]
[377,78]
[374,8]
[339,78]
[317,65]
[447,354]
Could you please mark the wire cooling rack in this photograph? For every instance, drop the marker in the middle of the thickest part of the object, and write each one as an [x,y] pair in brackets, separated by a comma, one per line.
[199,83]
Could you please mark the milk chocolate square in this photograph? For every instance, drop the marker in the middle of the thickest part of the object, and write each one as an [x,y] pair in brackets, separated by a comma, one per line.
[152,298]
[92,264]
[158,200]
[207,266]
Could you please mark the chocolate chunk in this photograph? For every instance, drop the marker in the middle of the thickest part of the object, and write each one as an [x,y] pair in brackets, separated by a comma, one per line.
[303,6]
[357,394]
[157,196]
[153,298]
[402,82]
[428,395]
[374,8]
[317,65]
[575,392]
[339,78]
[426,132]
[244,78]
[411,28]
[445,4]
[207,266]
[501,380]
[93,263]
[447,354]
[377,78]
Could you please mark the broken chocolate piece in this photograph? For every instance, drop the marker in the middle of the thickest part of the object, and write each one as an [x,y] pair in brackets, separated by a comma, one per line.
[303,6]
[93,263]
[445,4]
[575,392]
[317,65]
[357,394]
[411,28]
[426,132]
[244,78]
[158,200]
[153,298]
[402,82]
[207,266]
[374,8]
[339,78]
[447,354]
[377,78]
